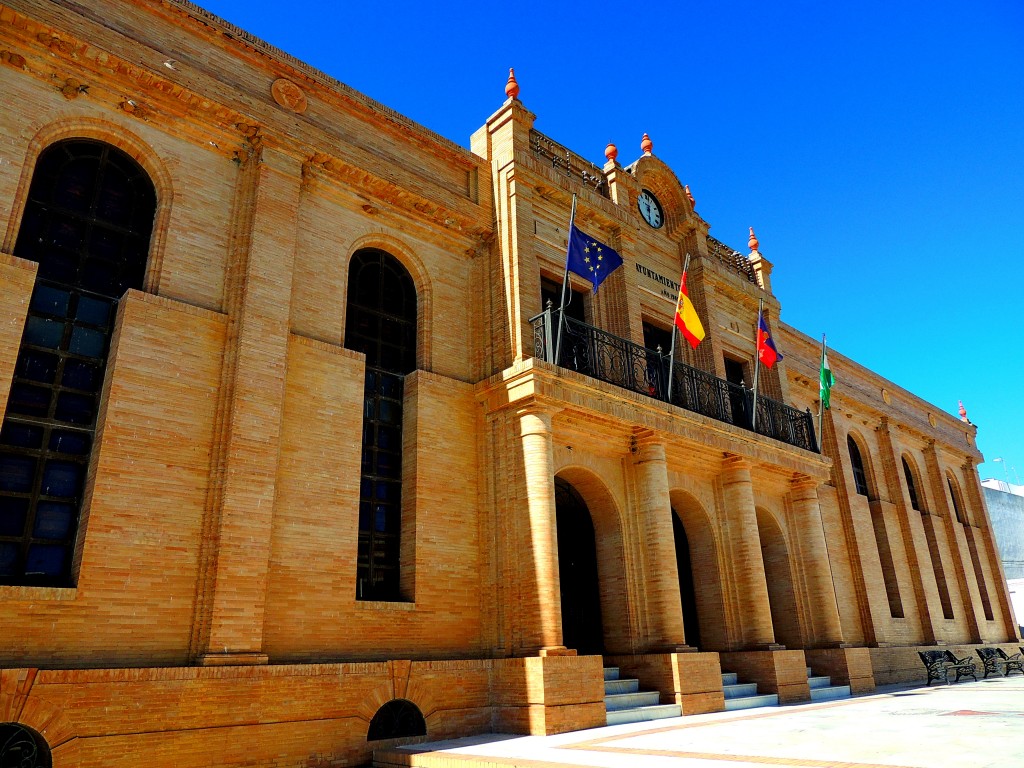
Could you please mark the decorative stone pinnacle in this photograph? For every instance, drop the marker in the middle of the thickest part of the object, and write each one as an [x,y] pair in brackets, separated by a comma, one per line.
[689,196]
[752,242]
[611,152]
[511,86]
[646,145]
[963,412]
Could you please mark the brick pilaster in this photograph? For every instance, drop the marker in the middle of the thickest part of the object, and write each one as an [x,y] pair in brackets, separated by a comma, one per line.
[231,596]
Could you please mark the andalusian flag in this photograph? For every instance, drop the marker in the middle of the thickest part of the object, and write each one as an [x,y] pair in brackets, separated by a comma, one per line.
[687,320]
[826,379]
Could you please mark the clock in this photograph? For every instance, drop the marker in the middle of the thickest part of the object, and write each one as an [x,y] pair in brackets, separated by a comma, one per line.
[650,209]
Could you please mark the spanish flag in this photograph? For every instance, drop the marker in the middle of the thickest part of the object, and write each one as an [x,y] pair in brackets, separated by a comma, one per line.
[687,320]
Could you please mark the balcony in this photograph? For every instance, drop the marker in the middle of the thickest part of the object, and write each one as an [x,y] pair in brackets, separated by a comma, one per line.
[603,356]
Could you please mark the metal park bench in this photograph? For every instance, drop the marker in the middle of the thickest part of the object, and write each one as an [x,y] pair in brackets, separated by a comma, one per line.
[996,661]
[940,663]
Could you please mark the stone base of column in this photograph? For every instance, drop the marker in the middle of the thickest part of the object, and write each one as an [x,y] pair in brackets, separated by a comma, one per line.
[232,659]
[775,671]
[692,679]
[542,695]
[845,665]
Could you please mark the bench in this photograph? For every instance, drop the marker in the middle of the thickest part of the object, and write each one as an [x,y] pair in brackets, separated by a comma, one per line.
[996,661]
[940,663]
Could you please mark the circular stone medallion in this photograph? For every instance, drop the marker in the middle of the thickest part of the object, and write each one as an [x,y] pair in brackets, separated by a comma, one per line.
[288,95]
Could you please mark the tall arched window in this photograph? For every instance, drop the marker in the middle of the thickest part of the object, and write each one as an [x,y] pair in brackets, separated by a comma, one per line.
[911,488]
[860,478]
[88,221]
[381,323]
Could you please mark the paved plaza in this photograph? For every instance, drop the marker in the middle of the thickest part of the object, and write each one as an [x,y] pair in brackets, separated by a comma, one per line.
[967,725]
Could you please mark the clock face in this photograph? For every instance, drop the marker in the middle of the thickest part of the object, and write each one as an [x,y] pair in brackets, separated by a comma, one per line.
[650,209]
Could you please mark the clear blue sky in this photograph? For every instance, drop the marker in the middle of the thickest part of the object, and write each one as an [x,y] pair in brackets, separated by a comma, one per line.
[877,148]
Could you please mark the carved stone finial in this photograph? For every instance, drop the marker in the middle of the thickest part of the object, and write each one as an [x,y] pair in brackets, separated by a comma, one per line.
[963,412]
[689,196]
[611,152]
[511,86]
[646,145]
[752,242]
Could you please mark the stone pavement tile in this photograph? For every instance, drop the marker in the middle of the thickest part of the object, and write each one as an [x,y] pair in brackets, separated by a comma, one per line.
[967,725]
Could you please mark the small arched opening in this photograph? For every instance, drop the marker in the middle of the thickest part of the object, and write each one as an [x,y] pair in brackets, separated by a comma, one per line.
[22,747]
[398,719]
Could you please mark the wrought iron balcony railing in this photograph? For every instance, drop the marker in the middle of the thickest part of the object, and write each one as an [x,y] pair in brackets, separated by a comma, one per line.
[609,358]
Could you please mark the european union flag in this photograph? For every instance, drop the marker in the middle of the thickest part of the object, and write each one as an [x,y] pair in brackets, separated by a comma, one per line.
[590,258]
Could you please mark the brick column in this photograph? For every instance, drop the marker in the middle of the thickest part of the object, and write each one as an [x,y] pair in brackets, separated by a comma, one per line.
[233,580]
[824,610]
[543,603]
[744,546]
[661,577]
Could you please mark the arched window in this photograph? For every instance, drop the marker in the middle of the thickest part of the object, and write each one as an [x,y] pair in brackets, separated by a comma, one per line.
[22,747]
[88,221]
[911,488]
[381,322]
[397,719]
[954,494]
[860,478]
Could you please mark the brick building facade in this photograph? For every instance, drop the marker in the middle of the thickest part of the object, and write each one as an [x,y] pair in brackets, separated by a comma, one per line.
[286,440]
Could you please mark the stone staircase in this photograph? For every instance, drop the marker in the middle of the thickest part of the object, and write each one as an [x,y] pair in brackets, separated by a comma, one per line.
[823,690]
[744,695]
[626,703]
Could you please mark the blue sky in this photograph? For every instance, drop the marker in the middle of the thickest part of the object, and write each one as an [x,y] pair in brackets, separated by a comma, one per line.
[877,148]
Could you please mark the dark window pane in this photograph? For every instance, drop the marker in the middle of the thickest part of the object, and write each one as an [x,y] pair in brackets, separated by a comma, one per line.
[389,438]
[9,555]
[62,478]
[33,401]
[50,301]
[88,342]
[384,491]
[79,374]
[17,473]
[364,515]
[391,386]
[58,265]
[101,277]
[13,512]
[75,409]
[68,441]
[53,520]
[380,518]
[46,560]
[74,189]
[21,435]
[95,311]
[41,332]
[390,413]
[67,234]
[37,366]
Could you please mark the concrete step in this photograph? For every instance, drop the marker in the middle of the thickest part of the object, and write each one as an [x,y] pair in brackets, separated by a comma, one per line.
[622,685]
[819,681]
[618,701]
[642,714]
[748,702]
[730,678]
[611,673]
[738,690]
[830,692]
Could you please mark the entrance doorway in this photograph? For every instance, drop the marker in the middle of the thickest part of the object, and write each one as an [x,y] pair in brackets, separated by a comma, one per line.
[577,572]
[687,591]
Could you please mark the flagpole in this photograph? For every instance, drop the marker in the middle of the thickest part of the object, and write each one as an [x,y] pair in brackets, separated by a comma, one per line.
[821,399]
[757,362]
[565,285]
[672,346]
